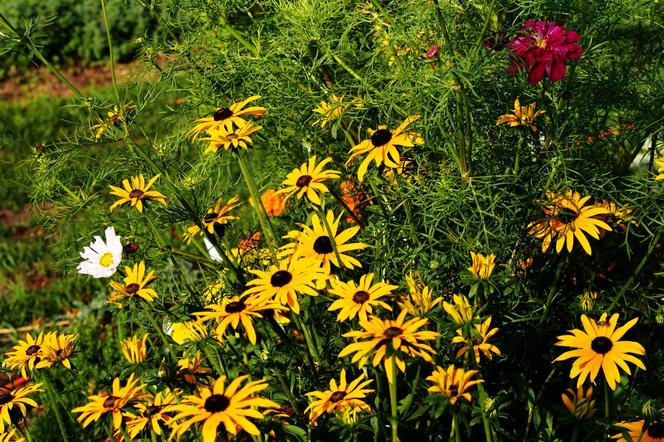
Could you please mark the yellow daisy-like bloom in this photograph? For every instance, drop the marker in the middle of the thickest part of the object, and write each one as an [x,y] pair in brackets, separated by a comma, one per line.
[215,219]
[155,413]
[135,284]
[329,111]
[482,266]
[453,383]
[390,340]
[314,242]
[285,282]
[136,192]
[597,347]
[382,146]
[641,431]
[57,349]
[660,169]
[479,341]
[340,398]
[10,436]
[460,310]
[236,310]
[359,300]
[25,354]
[580,403]
[16,399]
[568,217]
[618,216]
[188,332]
[522,116]
[236,138]
[228,404]
[113,403]
[419,301]
[307,180]
[135,349]
[227,117]
[190,368]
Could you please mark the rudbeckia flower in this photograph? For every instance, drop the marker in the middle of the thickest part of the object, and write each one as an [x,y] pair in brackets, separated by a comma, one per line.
[640,431]
[579,402]
[340,398]
[227,117]
[461,310]
[307,180]
[215,219]
[188,332]
[479,342]
[329,111]
[482,266]
[235,138]
[598,346]
[359,300]
[382,146]
[135,349]
[16,399]
[25,354]
[154,413]
[419,301]
[135,284]
[660,169]
[192,368]
[522,116]
[101,259]
[453,383]
[57,349]
[136,192]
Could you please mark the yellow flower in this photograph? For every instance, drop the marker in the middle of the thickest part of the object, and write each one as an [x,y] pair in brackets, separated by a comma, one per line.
[461,310]
[135,284]
[10,436]
[568,217]
[618,217]
[154,413]
[358,300]
[57,349]
[453,383]
[314,242]
[236,138]
[419,301]
[329,111]
[190,368]
[188,332]
[136,192]
[135,349]
[523,116]
[482,266]
[597,347]
[215,219]
[25,354]
[640,431]
[227,117]
[580,403]
[340,398]
[228,404]
[273,202]
[390,340]
[113,403]
[16,400]
[382,146]
[660,169]
[479,341]
[308,180]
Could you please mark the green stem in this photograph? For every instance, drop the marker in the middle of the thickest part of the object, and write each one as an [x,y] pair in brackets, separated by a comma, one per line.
[607,401]
[407,208]
[313,352]
[54,404]
[161,333]
[455,428]
[393,401]
[485,418]
[110,52]
[287,391]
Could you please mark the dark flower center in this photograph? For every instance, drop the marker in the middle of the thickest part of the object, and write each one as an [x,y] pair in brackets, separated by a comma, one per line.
[656,430]
[216,403]
[222,114]
[280,278]
[32,350]
[392,332]
[381,137]
[232,136]
[337,396]
[235,307]
[361,297]
[136,193]
[109,402]
[132,288]
[209,217]
[323,245]
[152,410]
[601,345]
[303,181]
[6,398]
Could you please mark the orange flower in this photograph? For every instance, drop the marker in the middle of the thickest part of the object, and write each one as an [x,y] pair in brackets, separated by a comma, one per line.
[274,204]
[353,198]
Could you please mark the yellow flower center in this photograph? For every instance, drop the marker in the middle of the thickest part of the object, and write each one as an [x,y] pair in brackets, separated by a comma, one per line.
[106,259]
[540,42]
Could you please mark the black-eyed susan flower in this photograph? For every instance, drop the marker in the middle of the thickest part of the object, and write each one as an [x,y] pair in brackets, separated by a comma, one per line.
[660,169]
[10,436]
[308,180]
[154,412]
[135,349]
[136,192]
[329,112]
[25,354]
[236,310]
[598,347]
[390,340]
[482,266]
[479,341]
[227,117]
[642,431]
[135,284]
[229,404]
[113,402]
[382,146]
[579,402]
[314,242]
[283,283]
[460,309]
[618,217]
[453,383]
[568,217]
[191,369]
[236,138]
[359,300]
[340,398]
[16,399]
[101,258]
[419,300]
[57,349]
[188,332]
[521,116]
[215,219]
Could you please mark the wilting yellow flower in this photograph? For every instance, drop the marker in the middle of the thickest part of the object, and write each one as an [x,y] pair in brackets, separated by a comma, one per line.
[57,349]
[359,300]
[640,431]
[236,138]
[461,310]
[135,349]
[329,111]
[154,413]
[419,301]
[453,383]
[137,192]
[580,403]
[190,368]
[597,347]
[25,354]
[382,146]
[135,284]
[482,266]
[568,217]
[16,400]
[308,180]
[390,340]
[340,398]
[188,332]
[228,404]
[618,217]
[227,117]
[479,341]
[660,168]
[587,301]
[522,116]
[273,202]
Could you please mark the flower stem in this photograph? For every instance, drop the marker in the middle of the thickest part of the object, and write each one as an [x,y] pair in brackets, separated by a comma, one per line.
[314,357]
[454,432]
[393,401]
[110,54]
[607,400]
[54,404]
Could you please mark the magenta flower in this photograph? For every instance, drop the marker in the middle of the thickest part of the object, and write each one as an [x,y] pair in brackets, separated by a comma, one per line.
[543,48]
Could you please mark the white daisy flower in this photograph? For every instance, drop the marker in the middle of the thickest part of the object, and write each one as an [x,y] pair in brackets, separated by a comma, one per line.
[101,259]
